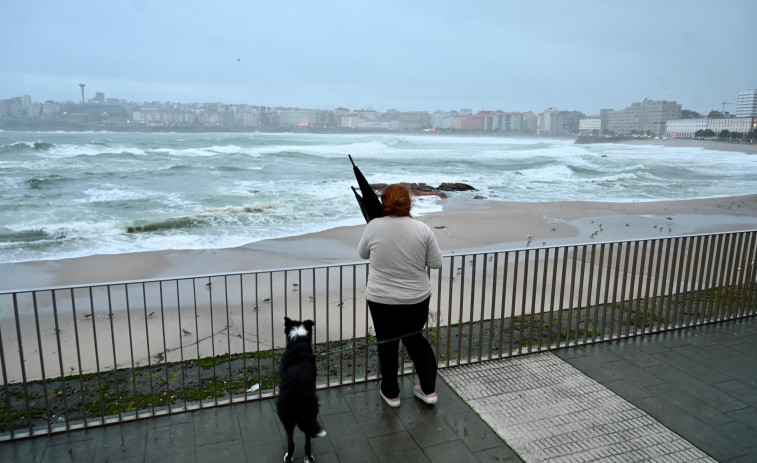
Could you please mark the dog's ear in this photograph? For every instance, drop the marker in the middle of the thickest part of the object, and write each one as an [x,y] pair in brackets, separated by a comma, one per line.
[309,324]
[287,321]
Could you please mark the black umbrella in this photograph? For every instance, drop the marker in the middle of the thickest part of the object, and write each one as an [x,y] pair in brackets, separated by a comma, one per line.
[369,202]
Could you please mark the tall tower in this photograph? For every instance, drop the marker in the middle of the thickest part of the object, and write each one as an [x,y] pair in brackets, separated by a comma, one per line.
[747,104]
[82,92]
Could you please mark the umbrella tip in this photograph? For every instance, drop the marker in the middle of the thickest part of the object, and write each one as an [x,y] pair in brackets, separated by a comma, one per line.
[350,156]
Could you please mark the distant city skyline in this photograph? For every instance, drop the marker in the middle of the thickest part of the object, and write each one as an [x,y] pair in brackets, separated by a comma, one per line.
[443,55]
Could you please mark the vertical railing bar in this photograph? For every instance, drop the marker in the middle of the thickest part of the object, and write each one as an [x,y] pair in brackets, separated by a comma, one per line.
[704,262]
[607,285]
[531,318]
[648,254]
[669,306]
[553,294]
[340,305]
[328,326]
[230,390]
[544,303]
[683,291]
[258,331]
[131,351]
[593,306]
[461,310]
[726,274]
[621,255]
[273,329]
[752,281]
[246,379]
[113,345]
[709,279]
[299,292]
[561,302]
[524,293]
[734,258]
[60,356]
[579,307]
[197,345]
[367,316]
[147,344]
[513,304]
[3,364]
[693,277]
[449,308]
[482,318]
[492,316]
[22,361]
[702,246]
[503,304]
[165,346]
[746,278]
[42,363]
[474,260]
[85,422]
[634,301]
[571,303]
[721,271]
[354,324]
[597,296]
[657,297]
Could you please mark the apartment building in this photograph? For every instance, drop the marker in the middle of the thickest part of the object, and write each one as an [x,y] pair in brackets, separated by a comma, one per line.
[642,117]
[746,105]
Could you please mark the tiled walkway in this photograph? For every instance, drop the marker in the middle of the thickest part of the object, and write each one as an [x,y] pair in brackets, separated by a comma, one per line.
[682,396]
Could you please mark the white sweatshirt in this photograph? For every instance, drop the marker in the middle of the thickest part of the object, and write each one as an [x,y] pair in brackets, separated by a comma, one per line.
[399,250]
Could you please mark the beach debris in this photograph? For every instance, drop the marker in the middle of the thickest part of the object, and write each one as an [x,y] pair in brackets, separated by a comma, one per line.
[87,315]
[151,314]
[209,283]
[254,387]
[159,357]
[268,299]
[669,218]
[255,308]
[440,227]
[186,332]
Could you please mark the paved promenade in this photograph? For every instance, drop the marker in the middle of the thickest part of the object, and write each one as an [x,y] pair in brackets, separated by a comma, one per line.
[683,396]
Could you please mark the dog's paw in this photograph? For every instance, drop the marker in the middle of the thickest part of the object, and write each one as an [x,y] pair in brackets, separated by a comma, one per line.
[287,458]
[320,433]
[309,459]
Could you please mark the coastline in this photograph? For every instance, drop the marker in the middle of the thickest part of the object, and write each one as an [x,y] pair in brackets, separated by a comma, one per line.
[461,227]
[710,145]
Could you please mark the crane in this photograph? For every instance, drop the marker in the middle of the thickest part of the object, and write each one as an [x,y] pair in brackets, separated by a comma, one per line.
[725,103]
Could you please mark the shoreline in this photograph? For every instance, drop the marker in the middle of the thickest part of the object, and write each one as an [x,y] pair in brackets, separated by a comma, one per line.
[461,227]
[710,145]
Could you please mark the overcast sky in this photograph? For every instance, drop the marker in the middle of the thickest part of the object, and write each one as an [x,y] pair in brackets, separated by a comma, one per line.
[406,55]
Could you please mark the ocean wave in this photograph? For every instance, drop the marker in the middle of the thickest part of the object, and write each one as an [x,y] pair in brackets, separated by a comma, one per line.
[214,216]
[36,183]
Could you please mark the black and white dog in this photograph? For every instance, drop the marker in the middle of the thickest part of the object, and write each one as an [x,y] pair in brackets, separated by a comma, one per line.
[297,403]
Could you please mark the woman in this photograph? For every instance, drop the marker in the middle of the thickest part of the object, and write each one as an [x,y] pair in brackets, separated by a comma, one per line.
[398,292]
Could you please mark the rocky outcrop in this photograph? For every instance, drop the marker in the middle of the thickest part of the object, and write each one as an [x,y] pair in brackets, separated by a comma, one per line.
[422,189]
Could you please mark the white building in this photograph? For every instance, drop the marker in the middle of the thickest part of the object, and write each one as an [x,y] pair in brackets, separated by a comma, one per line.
[590,126]
[685,128]
[746,105]
[734,124]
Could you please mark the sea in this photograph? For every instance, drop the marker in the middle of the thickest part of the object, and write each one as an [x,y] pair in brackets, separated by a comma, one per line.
[66,194]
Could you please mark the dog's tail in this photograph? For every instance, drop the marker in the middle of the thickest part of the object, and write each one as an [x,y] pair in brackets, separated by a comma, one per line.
[312,428]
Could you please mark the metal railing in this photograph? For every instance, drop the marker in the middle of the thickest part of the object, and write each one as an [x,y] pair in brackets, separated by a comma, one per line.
[82,356]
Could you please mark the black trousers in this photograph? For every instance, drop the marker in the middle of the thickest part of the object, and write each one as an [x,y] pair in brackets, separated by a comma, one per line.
[391,323]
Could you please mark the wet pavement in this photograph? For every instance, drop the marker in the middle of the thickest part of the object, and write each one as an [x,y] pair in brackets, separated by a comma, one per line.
[686,395]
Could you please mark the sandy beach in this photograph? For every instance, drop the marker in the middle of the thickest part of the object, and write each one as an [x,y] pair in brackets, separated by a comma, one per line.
[715,145]
[475,225]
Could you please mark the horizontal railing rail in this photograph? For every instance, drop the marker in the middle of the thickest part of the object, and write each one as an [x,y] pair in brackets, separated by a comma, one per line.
[88,355]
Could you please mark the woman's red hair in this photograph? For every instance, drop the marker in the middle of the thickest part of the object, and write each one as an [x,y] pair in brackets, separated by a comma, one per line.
[396,200]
